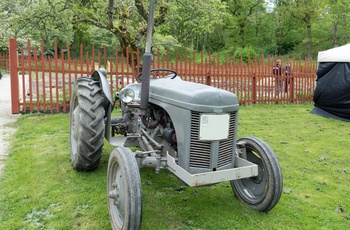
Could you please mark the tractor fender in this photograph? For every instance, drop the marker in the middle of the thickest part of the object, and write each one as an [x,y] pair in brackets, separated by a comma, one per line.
[100,75]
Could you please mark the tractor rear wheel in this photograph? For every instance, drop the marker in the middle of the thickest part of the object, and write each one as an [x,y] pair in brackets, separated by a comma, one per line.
[263,191]
[86,124]
[124,190]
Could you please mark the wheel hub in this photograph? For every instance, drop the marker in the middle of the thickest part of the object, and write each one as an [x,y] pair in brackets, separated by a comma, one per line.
[114,194]
[257,179]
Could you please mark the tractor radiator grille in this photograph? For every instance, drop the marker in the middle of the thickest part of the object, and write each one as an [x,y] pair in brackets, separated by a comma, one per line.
[226,146]
[200,150]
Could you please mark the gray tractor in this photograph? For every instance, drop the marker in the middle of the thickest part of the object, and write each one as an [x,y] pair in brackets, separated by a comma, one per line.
[187,128]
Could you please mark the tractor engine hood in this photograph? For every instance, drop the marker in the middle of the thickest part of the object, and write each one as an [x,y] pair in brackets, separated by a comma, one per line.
[192,96]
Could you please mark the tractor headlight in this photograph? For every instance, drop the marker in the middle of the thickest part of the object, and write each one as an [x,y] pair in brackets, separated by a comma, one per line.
[127,95]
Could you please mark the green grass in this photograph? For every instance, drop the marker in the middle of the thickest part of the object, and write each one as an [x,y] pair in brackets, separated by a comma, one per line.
[40,190]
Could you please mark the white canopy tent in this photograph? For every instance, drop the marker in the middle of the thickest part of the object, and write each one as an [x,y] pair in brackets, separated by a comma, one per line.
[338,54]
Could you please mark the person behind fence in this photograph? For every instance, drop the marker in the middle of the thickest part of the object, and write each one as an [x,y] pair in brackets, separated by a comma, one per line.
[288,73]
[277,72]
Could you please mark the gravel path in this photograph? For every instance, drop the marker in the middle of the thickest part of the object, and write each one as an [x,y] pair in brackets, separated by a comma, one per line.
[6,118]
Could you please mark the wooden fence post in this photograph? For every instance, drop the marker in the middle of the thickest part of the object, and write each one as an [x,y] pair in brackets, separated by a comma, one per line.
[254,89]
[291,88]
[208,80]
[14,76]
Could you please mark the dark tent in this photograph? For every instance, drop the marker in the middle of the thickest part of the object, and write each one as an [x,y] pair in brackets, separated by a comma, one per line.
[332,92]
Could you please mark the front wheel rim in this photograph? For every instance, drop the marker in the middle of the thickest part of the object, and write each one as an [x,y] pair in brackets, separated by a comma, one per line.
[116,194]
[253,189]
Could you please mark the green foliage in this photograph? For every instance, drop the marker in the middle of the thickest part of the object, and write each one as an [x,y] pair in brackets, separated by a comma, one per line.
[245,53]
[38,21]
[271,27]
[192,21]
[163,43]
[40,190]
[216,40]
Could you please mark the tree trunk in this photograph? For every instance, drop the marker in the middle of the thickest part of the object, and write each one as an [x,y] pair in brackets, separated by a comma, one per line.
[334,34]
[309,36]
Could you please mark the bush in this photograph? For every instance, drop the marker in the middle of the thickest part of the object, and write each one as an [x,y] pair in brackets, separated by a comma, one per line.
[245,52]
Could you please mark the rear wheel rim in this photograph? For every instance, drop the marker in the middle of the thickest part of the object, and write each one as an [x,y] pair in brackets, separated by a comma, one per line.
[75,130]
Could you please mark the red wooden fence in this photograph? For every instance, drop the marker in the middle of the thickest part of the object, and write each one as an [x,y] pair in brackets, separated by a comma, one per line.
[44,84]
[4,62]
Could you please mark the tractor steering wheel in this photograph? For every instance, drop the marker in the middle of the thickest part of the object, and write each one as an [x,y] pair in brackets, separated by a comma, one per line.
[156,70]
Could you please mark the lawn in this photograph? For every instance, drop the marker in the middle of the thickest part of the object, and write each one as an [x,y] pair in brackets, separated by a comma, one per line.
[40,190]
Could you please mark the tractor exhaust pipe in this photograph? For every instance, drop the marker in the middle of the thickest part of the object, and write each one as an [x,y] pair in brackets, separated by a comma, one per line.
[147,63]
[145,82]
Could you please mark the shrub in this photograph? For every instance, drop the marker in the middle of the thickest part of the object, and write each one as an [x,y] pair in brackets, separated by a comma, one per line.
[245,52]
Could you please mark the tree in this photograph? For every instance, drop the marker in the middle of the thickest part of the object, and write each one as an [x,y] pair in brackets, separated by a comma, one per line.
[56,20]
[269,26]
[306,11]
[192,21]
[127,20]
[242,12]
[338,12]
[45,20]
[286,30]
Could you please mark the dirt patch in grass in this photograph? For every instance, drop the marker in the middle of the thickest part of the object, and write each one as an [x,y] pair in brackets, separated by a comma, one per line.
[7,120]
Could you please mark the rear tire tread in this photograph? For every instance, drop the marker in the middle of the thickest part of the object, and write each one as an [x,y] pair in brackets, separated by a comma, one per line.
[87,96]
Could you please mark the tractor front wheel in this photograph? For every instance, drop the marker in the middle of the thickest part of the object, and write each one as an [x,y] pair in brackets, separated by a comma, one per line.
[263,191]
[124,190]
[86,124]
